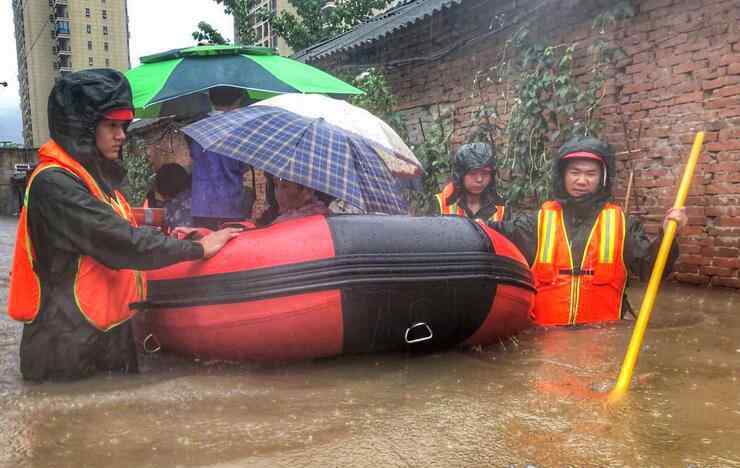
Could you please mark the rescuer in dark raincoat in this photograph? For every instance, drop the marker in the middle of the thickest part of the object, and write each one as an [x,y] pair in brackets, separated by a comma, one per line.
[472,191]
[81,239]
[579,245]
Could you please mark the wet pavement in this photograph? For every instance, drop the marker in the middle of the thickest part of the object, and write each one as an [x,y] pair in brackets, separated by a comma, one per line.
[537,400]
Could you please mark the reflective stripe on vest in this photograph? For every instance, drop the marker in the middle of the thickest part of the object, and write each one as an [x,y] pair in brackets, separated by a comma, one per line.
[588,293]
[453,208]
[101,294]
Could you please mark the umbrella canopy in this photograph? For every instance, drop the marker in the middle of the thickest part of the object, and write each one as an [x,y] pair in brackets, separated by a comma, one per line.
[390,147]
[306,150]
[178,73]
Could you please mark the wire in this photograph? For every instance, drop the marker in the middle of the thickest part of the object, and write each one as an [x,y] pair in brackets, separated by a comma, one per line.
[38,36]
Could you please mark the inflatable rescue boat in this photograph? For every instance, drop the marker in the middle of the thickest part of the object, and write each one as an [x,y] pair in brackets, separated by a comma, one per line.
[322,286]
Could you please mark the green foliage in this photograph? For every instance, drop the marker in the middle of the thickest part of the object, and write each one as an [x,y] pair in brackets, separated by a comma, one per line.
[548,104]
[434,155]
[139,173]
[434,150]
[317,20]
[240,9]
[378,99]
[207,33]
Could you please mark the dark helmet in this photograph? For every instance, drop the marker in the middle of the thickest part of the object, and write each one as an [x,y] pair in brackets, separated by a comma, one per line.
[584,147]
[77,103]
[473,156]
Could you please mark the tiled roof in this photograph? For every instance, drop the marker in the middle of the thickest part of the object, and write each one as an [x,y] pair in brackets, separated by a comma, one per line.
[397,18]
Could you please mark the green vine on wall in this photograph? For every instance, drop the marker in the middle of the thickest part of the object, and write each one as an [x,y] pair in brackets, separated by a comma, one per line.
[544,102]
[139,172]
[434,154]
[378,99]
[433,151]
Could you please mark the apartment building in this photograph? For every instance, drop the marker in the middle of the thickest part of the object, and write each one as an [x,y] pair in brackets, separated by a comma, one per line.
[265,36]
[54,37]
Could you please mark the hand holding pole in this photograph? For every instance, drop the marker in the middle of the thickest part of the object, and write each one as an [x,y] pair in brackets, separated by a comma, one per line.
[633,350]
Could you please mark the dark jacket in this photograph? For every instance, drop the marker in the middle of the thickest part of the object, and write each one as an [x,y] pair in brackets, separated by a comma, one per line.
[580,216]
[66,221]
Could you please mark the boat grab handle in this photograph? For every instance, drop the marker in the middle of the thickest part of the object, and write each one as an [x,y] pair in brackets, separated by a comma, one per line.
[420,339]
[151,344]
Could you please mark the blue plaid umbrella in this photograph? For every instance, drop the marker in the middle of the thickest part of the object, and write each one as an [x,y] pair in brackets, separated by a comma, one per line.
[307,151]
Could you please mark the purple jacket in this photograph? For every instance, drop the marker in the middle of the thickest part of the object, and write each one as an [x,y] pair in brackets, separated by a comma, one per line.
[218,187]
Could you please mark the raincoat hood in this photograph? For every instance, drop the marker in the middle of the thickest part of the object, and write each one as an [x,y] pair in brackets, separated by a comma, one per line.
[77,104]
[474,156]
[597,148]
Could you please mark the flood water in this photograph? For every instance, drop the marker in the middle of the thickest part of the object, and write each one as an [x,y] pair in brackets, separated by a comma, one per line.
[534,401]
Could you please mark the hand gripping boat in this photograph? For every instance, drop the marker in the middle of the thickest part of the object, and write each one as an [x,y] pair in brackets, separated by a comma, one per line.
[322,286]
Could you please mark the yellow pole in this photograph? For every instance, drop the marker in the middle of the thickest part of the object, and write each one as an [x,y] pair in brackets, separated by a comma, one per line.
[630,359]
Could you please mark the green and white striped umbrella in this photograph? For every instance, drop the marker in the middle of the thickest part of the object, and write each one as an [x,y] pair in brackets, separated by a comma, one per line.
[184,74]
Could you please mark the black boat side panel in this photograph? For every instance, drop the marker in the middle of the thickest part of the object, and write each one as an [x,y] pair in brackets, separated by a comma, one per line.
[389,317]
[377,318]
[405,234]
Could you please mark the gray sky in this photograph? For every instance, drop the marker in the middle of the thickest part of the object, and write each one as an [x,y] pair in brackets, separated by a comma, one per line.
[155,26]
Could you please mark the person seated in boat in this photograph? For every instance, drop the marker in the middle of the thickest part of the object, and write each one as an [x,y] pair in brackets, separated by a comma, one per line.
[78,250]
[472,191]
[580,246]
[218,192]
[296,201]
[172,182]
[288,200]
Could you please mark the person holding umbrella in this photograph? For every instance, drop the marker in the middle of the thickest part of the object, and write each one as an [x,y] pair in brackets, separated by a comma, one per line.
[472,192]
[218,189]
[77,249]
[581,247]
[324,144]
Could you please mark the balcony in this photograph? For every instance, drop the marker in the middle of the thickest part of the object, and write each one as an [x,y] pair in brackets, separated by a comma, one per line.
[61,51]
[61,28]
[63,63]
[62,46]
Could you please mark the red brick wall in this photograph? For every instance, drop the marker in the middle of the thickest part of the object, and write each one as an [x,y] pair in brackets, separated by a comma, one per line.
[680,74]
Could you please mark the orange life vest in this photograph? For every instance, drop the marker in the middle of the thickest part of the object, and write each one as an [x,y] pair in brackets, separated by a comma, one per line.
[101,294]
[591,292]
[447,208]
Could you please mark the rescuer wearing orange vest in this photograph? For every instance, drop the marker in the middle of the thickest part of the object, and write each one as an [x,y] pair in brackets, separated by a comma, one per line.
[472,192]
[580,245]
[78,250]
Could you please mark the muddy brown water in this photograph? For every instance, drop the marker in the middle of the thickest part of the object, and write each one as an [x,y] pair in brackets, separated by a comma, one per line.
[537,400]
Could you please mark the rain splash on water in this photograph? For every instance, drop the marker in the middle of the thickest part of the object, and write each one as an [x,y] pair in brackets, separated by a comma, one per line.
[537,400]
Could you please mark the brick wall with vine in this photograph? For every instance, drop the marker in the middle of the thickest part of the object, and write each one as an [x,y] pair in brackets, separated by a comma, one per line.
[674,70]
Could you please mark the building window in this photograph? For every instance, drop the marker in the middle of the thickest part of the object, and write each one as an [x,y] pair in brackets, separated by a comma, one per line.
[87,12]
[107,62]
[90,61]
[105,14]
[89,45]
[105,46]
[88,28]
[62,27]
[105,30]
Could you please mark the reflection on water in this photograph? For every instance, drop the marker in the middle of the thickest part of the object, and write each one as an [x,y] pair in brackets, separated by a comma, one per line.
[536,400]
